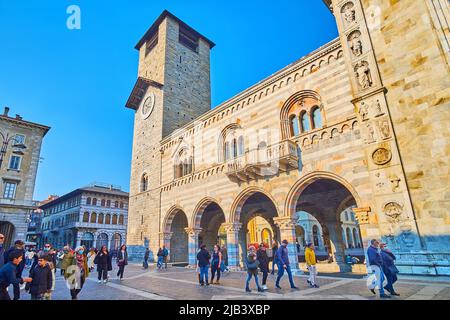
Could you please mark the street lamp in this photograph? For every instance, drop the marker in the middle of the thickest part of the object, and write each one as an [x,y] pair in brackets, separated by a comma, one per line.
[6,141]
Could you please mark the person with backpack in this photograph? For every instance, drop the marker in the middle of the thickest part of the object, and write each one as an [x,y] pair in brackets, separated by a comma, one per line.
[216,264]
[203,258]
[165,254]
[160,257]
[263,259]
[103,262]
[252,263]
[42,279]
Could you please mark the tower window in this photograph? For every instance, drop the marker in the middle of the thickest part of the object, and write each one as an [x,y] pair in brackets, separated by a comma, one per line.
[151,43]
[188,39]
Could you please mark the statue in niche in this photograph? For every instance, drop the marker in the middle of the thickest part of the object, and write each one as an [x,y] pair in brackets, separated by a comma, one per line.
[356,44]
[377,107]
[385,129]
[349,13]
[363,111]
[370,134]
[363,74]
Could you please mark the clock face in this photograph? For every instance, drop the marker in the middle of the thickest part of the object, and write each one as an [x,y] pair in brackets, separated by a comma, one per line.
[147,107]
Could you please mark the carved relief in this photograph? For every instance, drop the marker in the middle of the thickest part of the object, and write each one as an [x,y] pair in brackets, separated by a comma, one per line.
[349,13]
[395,182]
[370,134]
[355,43]
[364,111]
[363,74]
[381,156]
[377,108]
[362,217]
[385,129]
[393,210]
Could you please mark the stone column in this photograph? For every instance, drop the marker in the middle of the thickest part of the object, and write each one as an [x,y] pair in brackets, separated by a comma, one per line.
[287,232]
[338,245]
[363,217]
[233,244]
[193,246]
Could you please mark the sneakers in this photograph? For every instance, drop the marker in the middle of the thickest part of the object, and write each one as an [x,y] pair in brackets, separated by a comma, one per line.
[264,287]
[99,281]
[316,286]
[248,290]
[295,288]
[277,286]
[260,289]
[373,291]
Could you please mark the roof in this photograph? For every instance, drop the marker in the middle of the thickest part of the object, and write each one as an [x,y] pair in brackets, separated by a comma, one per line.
[160,19]
[139,90]
[93,189]
[20,121]
[328,4]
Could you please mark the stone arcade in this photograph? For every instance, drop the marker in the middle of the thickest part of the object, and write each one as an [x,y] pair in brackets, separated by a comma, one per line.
[360,125]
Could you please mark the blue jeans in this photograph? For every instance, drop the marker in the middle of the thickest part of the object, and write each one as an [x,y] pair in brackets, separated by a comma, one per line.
[281,273]
[204,274]
[249,277]
[160,262]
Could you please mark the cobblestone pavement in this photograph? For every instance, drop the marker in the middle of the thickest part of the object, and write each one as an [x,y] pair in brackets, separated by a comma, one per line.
[181,283]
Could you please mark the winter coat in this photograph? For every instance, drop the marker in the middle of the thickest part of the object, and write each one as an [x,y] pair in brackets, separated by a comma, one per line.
[263,259]
[310,257]
[283,255]
[203,258]
[388,258]
[124,257]
[252,263]
[374,257]
[91,257]
[42,280]
[103,262]
[2,256]
[67,260]
[8,275]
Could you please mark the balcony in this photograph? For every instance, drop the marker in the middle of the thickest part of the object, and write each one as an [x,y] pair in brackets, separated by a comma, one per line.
[262,163]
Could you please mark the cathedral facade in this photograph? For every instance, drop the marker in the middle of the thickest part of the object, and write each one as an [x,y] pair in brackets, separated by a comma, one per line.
[359,126]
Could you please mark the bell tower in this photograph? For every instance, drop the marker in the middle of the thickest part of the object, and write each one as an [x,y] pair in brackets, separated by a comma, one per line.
[173,88]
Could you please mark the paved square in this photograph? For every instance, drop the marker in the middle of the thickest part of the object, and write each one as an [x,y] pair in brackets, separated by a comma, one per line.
[182,284]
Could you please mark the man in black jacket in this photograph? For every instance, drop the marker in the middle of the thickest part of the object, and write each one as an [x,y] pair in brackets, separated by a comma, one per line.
[203,258]
[263,258]
[42,279]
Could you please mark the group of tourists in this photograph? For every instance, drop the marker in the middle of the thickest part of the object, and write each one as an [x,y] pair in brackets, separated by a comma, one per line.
[257,260]
[75,266]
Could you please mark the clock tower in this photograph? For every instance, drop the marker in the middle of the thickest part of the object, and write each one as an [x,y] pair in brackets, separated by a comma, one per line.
[173,88]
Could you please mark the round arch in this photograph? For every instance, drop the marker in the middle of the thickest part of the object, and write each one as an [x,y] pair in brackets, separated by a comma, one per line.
[307,180]
[200,209]
[236,207]
[167,222]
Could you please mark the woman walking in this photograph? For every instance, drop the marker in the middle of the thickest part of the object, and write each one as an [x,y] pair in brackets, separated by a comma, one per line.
[311,261]
[263,258]
[77,273]
[252,264]
[216,264]
[274,256]
[122,261]
[103,262]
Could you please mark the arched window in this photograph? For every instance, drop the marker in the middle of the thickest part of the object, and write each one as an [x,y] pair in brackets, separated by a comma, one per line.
[121,205]
[108,203]
[352,214]
[241,146]
[346,216]
[356,239]
[293,123]
[116,204]
[144,182]
[121,219]
[93,217]
[183,164]
[108,219]
[88,201]
[315,236]
[317,118]
[114,219]
[103,202]
[227,150]
[100,218]
[305,122]
[86,217]
[94,201]
[231,143]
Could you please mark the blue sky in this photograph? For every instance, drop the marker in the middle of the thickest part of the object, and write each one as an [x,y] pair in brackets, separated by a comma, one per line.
[77,81]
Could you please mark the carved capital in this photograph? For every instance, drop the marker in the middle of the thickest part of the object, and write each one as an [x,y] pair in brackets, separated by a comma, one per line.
[285,222]
[232,227]
[362,215]
[193,232]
